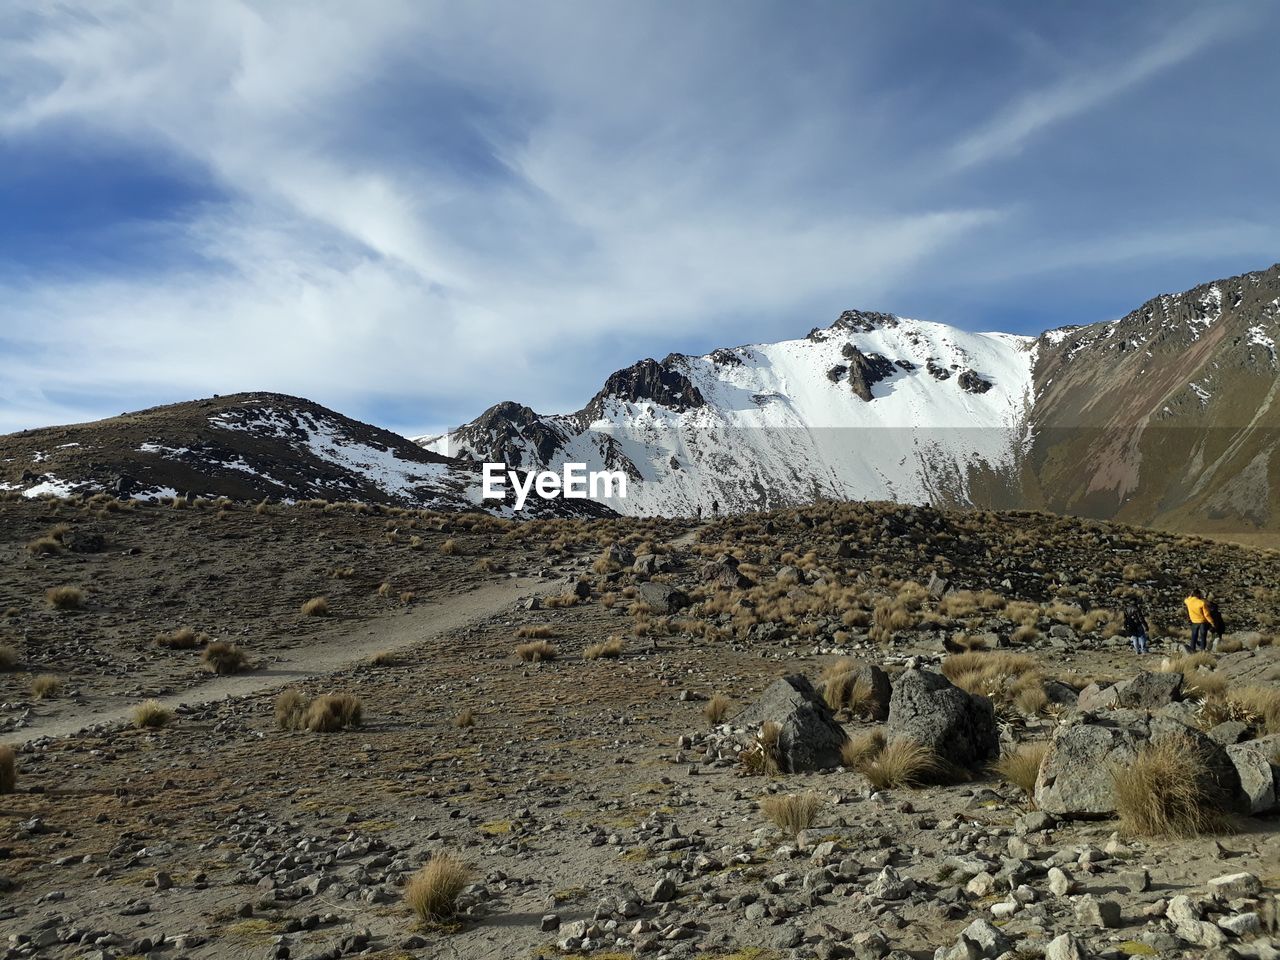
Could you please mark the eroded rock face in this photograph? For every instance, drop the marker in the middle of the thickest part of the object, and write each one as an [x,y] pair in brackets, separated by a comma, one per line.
[810,738]
[930,709]
[1077,777]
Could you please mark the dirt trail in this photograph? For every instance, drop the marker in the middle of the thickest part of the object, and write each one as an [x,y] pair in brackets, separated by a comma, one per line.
[365,638]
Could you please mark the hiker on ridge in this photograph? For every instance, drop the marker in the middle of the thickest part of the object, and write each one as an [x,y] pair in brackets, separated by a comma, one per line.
[1198,611]
[1135,625]
[1216,623]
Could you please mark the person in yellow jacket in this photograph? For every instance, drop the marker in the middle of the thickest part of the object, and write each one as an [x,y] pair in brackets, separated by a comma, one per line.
[1198,611]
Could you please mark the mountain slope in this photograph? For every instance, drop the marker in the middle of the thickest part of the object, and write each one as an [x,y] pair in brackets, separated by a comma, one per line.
[248,447]
[1166,416]
[873,407]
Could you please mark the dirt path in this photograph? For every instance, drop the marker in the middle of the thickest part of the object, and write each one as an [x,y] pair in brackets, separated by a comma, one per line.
[362,641]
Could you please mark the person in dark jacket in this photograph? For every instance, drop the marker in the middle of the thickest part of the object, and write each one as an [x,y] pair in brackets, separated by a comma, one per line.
[1216,623]
[1135,625]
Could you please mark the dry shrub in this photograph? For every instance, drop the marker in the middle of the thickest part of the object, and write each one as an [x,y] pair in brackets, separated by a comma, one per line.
[848,690]
[415,543]
[44,546]
[536,651]
[291,705]
[316,607]
[716,709]
[761,758]
[1026,633]
[605,564]
[561,600]
[384,658]
[262,509]
[432,892]
[1229,645]
[1021,766]
[384,590]
[151,714]
[408,597]
[184,638]
[540,631]
[223,658]
[332,712]
[1255,705]
[861,748]
[64,598]
[8,769]
[46,686]
[451,548]
[1199,680]
[465,718]
[902,763]
[793,812]
[609,649]
[1028,694]
[1166,792]
[1000,675]
[8,657]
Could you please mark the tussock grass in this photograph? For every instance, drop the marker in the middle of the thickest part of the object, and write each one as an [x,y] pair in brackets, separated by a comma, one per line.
[793,812]
[8,656]
[716,709]
[183,638]
[609,649]
[1229,645]
[1255,705]
[1026,633]
[1163,793]
[332,712]
[316,607]
[1020,767]
[451,548]
[46,686]
[290,707]
[1200,680]
[432,892]
[561,600]
[761,758]
[847,690]
[540,631]
[901,763]
[44,546]
[224,658]
[64,598]
[465,718]
[384,658]
[150,715]
[8,769]
[861,748]
[536,651]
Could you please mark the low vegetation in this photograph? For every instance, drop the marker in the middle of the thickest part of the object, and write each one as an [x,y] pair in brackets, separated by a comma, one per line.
[536,651]
[65,598]
[609,649]
[1021,766]
[151,714]
[223,658]
[316,607]
[46,686]
[432,892]
[793,812]
[716,709]
[900,763]
[1167,792]
[183,638]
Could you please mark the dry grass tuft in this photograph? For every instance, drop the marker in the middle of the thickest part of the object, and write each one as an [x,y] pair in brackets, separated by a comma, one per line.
[1021,766]
[151,714]
[8,657]
[224,658]
[536,651]
[44,546]
[761,758]
[184,638]
[332,712]
[541,631]
[384,658]
[465,718]
[716,709]
[46,686]
[861,748]
[1163,793]
[793,812]
[451,548]
[291,705]
[902,763]
[64,598]
[609,649]
[8,769]
[432,892]
[316,607]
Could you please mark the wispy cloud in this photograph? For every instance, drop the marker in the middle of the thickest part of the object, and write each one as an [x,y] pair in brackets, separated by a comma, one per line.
[1086,86]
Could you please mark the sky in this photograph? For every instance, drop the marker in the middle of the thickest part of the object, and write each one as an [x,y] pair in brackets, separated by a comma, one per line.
[409,211]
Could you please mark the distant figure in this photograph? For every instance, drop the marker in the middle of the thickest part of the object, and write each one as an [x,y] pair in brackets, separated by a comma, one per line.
[1135,625]
[698,511]
[1198,611]
[1216,623]
[715,508]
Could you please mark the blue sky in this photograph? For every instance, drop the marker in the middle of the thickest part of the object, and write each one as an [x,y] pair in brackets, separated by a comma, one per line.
[409,211]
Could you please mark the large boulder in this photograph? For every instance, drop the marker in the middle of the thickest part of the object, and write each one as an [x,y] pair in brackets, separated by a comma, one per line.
[810,737]
[662,598]
[956,725]
[1076,776]
[877,683]
[1149,691]
[1259,777]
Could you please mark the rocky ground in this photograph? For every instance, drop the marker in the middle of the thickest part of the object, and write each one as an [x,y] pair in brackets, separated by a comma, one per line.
[601,812]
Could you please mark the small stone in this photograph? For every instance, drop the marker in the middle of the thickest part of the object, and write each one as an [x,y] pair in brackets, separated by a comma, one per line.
[1097,913]
[550,923]
[1134,881]
[664,891]
[1065,947]
[1060,884]
[1183,909]
[1242,924]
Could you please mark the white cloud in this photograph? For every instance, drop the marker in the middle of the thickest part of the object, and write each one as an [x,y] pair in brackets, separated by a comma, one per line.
[1085,87]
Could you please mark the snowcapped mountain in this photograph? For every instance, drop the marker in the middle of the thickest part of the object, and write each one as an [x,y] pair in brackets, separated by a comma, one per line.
[1165,416]
[874,407]
[249,447]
